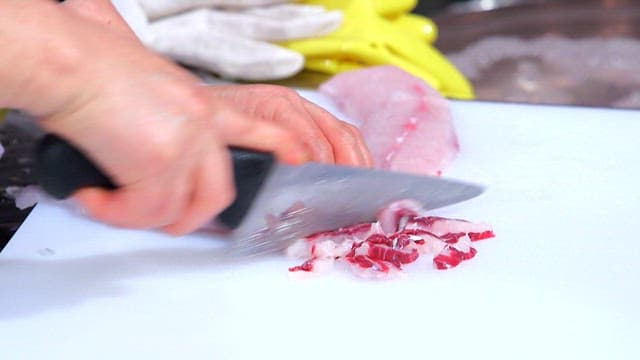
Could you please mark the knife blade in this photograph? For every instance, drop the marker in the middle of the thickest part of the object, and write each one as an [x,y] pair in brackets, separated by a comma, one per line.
[275,204]
[298,201]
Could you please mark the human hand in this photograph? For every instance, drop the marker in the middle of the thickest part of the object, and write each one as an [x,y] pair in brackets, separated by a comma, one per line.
[100,11]
[326,138]
[158,132]
[154,128]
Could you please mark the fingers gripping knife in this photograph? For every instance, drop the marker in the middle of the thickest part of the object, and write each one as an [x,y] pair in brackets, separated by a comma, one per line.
[61,169]
[275,204]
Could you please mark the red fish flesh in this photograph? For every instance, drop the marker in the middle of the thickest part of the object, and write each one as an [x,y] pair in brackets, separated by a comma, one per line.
[402,234]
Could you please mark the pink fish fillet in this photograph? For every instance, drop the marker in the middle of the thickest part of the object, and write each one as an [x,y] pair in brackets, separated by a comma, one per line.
[406,124]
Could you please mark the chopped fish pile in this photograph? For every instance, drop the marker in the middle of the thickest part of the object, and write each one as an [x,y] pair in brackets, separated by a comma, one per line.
[406,124]
[401,235]
[408,127]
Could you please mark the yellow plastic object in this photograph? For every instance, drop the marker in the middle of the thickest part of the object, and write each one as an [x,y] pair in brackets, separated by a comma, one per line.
[417,25]
[368,38]
[3,112]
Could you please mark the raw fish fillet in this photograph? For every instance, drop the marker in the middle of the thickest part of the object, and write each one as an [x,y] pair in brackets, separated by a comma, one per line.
[406,124]
[402,234]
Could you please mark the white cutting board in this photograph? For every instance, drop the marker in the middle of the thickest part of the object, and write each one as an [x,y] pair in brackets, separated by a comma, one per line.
[560,281]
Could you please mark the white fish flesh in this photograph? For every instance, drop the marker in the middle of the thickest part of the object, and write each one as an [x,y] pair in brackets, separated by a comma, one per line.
[406,124]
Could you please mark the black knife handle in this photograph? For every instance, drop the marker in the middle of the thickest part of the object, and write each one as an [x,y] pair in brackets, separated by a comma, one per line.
[61,169]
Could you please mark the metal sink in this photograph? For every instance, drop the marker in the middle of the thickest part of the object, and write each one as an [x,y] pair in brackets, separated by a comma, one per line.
[573,52]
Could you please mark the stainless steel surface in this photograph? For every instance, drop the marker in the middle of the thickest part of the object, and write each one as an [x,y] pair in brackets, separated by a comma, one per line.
[299,201]
[598,67]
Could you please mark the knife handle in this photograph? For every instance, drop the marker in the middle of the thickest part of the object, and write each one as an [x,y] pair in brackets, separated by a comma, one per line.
[61,169]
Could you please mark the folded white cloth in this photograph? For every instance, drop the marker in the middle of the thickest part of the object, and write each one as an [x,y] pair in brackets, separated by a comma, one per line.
[264,23]
[158,8]
[232,42]
[235,44]
[228,56]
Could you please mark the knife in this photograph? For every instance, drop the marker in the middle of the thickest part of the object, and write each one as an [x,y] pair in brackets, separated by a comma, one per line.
[275,203]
